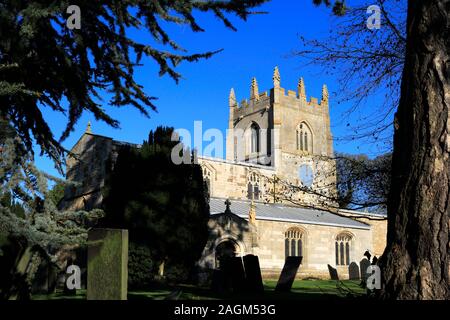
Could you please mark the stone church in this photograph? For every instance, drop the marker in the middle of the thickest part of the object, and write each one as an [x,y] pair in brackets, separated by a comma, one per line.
[273,194]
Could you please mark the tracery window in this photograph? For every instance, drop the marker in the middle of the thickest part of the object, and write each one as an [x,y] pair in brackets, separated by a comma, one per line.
[293,242]
[342,249]
[304,138]
[253,186]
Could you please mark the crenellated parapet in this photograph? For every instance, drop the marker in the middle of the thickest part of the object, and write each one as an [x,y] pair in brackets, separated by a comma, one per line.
[297,98]
[282,113]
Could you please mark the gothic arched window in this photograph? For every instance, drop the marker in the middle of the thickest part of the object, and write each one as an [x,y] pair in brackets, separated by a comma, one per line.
[293,243]
[254,138]
[253,187]
[304,138]
[342,248]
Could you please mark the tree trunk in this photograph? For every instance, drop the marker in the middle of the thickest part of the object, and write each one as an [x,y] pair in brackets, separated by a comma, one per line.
[415,264]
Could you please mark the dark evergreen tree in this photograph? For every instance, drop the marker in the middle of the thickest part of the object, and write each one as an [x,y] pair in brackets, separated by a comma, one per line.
[56,194]
[7,201]
[163,205]
[43,62]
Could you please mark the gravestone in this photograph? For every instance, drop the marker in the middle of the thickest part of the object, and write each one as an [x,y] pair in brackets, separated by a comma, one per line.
[230,276]
[374,260]
[288,274]
[253,274]
[237,272]
[363,265]
[44,278]
[333,273]
[353,271]
[218,283]
[107,264]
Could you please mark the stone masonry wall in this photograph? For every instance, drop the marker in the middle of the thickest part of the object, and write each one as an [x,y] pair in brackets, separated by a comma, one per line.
[318,247]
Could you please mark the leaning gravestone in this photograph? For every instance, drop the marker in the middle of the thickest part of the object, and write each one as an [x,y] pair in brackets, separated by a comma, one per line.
[333,273]
[353,271]
[107,264]
[288,274]
[253,274]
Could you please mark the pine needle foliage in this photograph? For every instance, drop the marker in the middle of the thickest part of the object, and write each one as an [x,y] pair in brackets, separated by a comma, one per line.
[45,64]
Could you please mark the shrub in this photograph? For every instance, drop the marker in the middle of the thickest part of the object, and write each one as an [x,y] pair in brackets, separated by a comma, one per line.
[140,266]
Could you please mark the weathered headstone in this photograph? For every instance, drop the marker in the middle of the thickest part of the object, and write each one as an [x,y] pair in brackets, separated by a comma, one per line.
[333,273]
[353,271]
[107,264]
[288,274]
[363,265]
[253,274]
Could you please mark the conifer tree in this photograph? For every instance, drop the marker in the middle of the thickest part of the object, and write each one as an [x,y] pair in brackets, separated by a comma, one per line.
[41,230]
[43,62]
[163,205]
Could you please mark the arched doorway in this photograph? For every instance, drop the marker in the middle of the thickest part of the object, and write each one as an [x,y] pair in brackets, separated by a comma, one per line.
[225,250]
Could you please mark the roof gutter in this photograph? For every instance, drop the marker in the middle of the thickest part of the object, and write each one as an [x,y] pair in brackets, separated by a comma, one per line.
[300,221]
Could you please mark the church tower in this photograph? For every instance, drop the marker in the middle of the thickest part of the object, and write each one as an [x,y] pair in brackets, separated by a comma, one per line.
[273,126]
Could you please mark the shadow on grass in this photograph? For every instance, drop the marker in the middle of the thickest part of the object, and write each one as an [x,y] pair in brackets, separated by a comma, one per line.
[80,295]
[301,290]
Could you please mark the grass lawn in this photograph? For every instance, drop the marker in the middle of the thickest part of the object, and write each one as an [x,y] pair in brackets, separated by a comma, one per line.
[301,290]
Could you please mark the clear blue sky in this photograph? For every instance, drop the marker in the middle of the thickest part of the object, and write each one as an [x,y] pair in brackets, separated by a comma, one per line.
[260,44]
